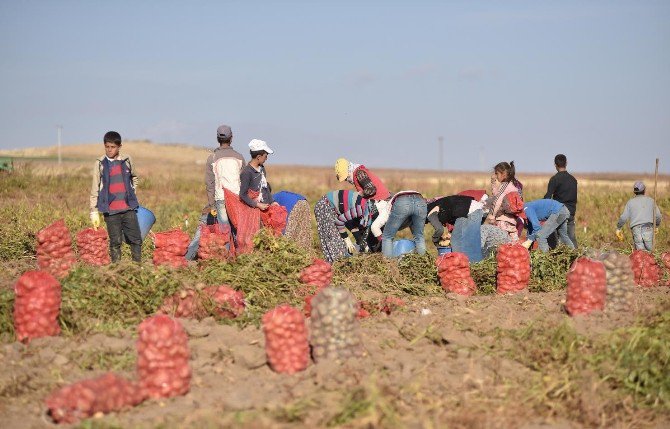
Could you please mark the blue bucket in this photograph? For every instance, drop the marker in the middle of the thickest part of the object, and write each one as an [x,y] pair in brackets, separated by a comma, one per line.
[403,246]
[441,250]
[146,220]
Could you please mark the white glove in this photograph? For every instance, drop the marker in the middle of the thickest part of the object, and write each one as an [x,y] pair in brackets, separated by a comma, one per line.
[95,219]
[351,248]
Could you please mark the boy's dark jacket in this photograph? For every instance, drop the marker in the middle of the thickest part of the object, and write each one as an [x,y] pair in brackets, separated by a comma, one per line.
[99,198]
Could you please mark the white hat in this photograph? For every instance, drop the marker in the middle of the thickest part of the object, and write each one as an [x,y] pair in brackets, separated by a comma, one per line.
[256,144]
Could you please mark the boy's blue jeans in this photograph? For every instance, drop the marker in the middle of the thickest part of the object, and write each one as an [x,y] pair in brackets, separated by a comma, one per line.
[643,236]
[412,207]
[221,217]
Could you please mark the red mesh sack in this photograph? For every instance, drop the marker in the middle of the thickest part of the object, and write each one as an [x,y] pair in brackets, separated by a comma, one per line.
[286,342]
[162,357]
[587,287]
[54,249]
[185,303]
[170,248]
[513,267]
[319,274]
[229,303]
[645,269]
[93,246]
[453,269]
[83,399]
[214,242]
[245,219]
[36,305]
[275,218]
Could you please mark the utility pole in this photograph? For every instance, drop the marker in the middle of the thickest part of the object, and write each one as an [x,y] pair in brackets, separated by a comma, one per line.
[60,131]
[440,150]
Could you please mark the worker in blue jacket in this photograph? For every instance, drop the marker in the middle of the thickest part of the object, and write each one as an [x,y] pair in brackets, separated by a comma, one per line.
[555,217]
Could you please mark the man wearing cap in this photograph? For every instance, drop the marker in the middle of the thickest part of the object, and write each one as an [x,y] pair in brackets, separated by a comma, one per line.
[638,214]
[255,190]
[222,170]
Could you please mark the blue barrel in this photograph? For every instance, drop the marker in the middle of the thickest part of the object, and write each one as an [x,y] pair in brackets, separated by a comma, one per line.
[146,220]
[441,250]
[403,246]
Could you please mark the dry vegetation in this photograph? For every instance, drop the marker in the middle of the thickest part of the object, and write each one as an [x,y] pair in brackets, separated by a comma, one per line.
[485,361]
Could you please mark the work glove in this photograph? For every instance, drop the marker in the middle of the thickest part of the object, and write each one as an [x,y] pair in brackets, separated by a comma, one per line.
[95,219]
[619,234]
[351,248]
[527,244]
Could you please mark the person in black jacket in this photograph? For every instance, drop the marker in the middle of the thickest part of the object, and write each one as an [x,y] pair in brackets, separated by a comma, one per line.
[563,188]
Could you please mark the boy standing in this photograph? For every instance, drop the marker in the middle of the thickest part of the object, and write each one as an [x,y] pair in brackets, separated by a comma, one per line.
[252,177]
[113,196]
[638,214]
[563,188]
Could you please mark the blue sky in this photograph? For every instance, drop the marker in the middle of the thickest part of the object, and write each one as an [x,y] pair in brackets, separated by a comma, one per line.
[376,82]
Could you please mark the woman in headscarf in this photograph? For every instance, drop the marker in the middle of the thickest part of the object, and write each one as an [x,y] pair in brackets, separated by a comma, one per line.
[367,184]
[334,212]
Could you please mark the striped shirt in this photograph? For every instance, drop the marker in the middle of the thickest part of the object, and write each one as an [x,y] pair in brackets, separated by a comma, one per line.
[348,205]
[117,189]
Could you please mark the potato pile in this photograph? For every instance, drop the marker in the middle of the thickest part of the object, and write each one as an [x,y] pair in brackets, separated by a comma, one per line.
[171,247]
[334,328]
[184,303]
[645,269]
[620,283]
[162,357]
[214,242]
[319,274]
[513,268]
[54,249]
[93,246]
[36,305]
[83,399]
[223,301]
[286,342]
[453,269]
[587,287]
[229,303]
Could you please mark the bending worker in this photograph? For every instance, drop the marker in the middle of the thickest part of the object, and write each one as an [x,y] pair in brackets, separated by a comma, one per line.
[367,184]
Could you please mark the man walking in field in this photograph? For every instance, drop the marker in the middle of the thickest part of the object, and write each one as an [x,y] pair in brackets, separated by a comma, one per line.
[638,213]
[563,188]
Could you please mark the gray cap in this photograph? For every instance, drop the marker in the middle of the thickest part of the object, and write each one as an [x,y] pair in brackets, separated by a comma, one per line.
[224,131]
[639,187]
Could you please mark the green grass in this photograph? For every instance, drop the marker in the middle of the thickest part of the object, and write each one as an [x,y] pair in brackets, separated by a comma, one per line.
[629,364]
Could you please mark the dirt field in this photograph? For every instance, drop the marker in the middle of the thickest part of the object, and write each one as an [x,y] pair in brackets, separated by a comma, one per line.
[441,361]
